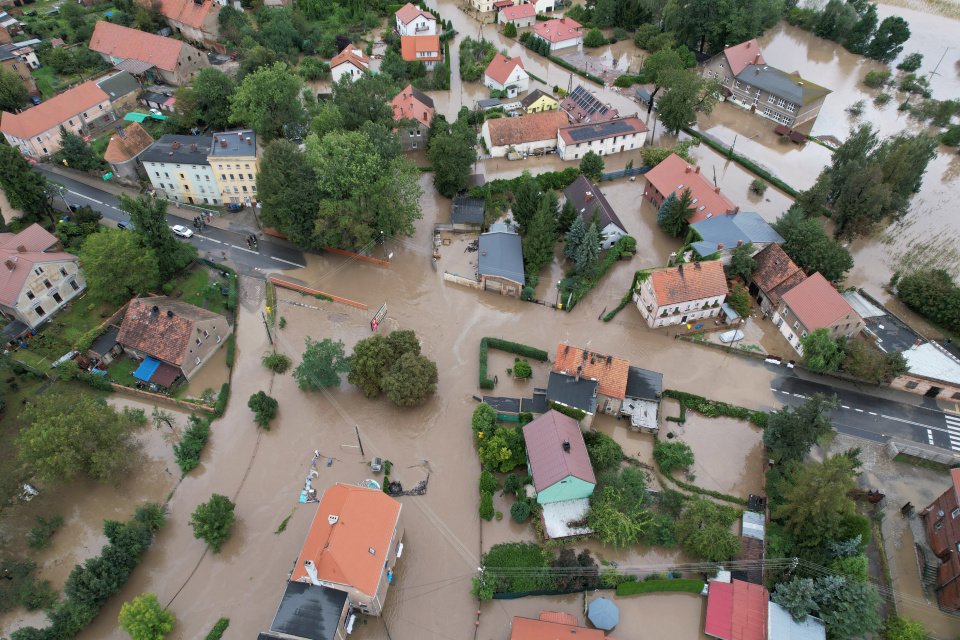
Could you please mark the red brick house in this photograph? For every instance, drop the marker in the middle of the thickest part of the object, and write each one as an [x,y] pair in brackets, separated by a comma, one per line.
[674,175]
[942,519]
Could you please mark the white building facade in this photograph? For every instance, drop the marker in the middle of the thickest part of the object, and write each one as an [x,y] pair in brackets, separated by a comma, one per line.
[666,297]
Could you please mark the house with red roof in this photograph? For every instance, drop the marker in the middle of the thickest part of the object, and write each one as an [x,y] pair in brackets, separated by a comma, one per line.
[414,21]
[533,133]
[506,74]
[196,20]
[552,625]
[815,304]
[411,104]
[175,62]
[738,610]
[942,522]
[774,275]
[610,373]
[560,33]
[350,63]
[674,175]
[125,149]
[37,278]
[521,16]
[353,545]
[681,294]
[425,49]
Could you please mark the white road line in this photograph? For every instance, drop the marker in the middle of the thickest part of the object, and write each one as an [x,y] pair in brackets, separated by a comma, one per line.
[860,410]
[797,395]
[930,435]
[786,392]
[918,424]
[242,249]
[844,406]
[212,240]
[76,193]
[871,413]
[772,389]
[301,266]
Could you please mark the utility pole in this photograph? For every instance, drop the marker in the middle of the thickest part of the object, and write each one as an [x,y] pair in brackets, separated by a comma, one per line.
[934,72]
[357,430]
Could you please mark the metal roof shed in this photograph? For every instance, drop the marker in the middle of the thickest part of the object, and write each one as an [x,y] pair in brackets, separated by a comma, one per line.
[501,256]
[310,612]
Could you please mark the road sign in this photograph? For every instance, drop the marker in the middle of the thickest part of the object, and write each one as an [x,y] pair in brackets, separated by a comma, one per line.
[377,319]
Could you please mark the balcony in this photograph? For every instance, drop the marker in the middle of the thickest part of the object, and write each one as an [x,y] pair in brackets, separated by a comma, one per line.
[421,29]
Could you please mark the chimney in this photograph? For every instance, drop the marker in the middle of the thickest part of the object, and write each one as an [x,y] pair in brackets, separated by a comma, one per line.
[311,572]
[223,143]
[688,169]
[696,265]
[249,141]
[401,109]
[22,249]
[215,139]
[169,313]
[739,243]
[9,264]
[756,58]
[579,369]
[156,309]
[697,170]
[589,195]
[719,246]
[193,147]
[680,269]
[756,72]
[566,446]
[748,44]
[734,210]
[915,344]
[563,20]
[425,116]
[175,145]
[716,189]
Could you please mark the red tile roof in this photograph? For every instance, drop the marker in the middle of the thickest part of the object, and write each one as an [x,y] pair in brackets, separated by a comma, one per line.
[674,172]
[527,629]
[135,140]
[556,616]
[185,11]
[816,303]
[549,462]
[408,13]
[743,55]
[775,272]
[35,241]
[349,54]
[341,551]
[686,282]
[413,103]
[736,611]
[410,46]
[165,337]
[558,29]
[603,130]
[515,13]
[133,44]
[52,112]
[609,372]
[527,128]
[501,67]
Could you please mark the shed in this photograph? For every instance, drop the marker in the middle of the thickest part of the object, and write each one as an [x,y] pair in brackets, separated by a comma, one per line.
[500,265]
[106,346]
[641,403]
[557,458]
[310,612]
[466,214]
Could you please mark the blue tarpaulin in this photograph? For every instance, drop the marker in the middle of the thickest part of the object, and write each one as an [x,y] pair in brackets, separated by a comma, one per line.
[146,369]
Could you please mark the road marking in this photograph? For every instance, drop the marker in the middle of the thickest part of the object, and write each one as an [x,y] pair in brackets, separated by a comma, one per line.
[930,435]
[212,240]
[844,406]
[76,193]
[242,249]
[797,395]
[772,389]
[871,413]
[860,410]
[301,266]
[786,392]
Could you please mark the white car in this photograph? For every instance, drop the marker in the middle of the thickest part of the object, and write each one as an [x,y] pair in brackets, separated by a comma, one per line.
[182,231]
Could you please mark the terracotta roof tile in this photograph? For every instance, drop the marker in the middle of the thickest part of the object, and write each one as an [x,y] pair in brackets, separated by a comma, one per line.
[742,55]
[737,611]
[558,29]
[528,128]
[33,238]
[686,282]
[410,46]
[816,303]
[517,12]
[185,11]
[528,629]
[556,616]
[413,103]
[549,462]
[133,44]
[349,54]
[674,172]
[775,272]
[365,520]
[52,112]
[157,334]
[501,67]
[611,373]
[135,139]
[408,13]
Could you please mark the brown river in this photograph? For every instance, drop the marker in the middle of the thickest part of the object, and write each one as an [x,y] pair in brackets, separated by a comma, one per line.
[263,471]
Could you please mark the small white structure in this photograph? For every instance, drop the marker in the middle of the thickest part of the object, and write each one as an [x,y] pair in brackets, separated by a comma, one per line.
[350,62]
[414,21]
[506,74]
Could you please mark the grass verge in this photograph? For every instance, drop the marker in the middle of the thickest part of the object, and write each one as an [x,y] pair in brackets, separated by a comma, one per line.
[655,586]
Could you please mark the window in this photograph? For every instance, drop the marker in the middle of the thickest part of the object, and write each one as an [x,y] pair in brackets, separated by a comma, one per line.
[228,167]
[46,283]
[231,176]
[30,295]
[38,270]
[220,166]
[182,177]
[737,85]
[721,65]
[938,526]
[57,298]
[223,177]
[772,99]
[45,150]
[249,176]
[955,513]
[912,385]
[791,107]
[207,178]
[198,176]
[246,166]
[767,112]
[186,187]
[71,122]
[39,310]
[156,173]
[955,396]
[780,101]
[235,190]
[254,187]
[796,325]
[198,360]
[245,189]
[218,339]
[240,175]
[84,114]
[803,334]
[166,175]
[198,341]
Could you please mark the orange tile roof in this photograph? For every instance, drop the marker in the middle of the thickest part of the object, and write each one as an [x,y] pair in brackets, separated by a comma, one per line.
[674,172]
[528,629]
[775,272]
[501,67]
[528,128]
[686,282]
[556,616]
[133,44]
[408,13]
[609,372]
[185,11]
[816,303]
[413,103]
[410,46]
[516,12]
[558,29]
[349,54]
[35,240]
[135,139]
[164,337]
[366,519]
[51,113]
[743,55]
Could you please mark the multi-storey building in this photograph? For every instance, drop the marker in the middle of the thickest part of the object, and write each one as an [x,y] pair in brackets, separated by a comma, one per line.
[179,169]
[414,21]
[814,304]
[685,292]
[235,165]
[166,59]
[416,108]
[603,138]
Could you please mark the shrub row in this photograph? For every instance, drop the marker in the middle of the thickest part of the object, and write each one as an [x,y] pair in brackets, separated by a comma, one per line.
[705,492]
[217,632]
[556,180]
[231,347]
[509,347]
[187,451]
[96,381]
[221,405]
[572,412]
[713,408]
[581,286]
[653,586]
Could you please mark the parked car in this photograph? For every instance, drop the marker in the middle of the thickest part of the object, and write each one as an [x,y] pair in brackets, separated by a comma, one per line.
[124,224]
[155,112]
[182,231]
[35,100]
[74,207]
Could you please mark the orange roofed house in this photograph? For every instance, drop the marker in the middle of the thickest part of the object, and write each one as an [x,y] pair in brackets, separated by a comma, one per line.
[552,626]
[196,20]
[532,133]
[610,374]
[674,175]
[353,545]
[942,519]
[815,304]
[425,49]
[173,61]
[506,74]
[350,63]
[124,151]
[416,108]
[686,292]
[559,33]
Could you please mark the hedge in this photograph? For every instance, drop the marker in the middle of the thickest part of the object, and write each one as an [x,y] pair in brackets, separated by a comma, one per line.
[221,405]
[187,451]
[556,180]
[231,346]
[705,492]
[713,408]
[576,414]
[509,347]
[654,586]
[580,286]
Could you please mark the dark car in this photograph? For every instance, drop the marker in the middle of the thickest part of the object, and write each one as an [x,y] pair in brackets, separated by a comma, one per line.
[74,207]
[123,224]
[35,100]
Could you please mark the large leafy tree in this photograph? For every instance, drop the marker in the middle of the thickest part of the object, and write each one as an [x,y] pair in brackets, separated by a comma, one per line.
[26,189]
[809,246]
[848,607]
[411,380]
[373,358]
[212,90]
[814,497]
[821,352]
[321,365]
[12,92]
[288,192]
[687,93]
[365,99]
[452,153]
[264,408]
[149,217]
[704,530]
[869,363]
[791,431]
[212,520]
[659,69]
[676,222]
[145,619]
[741,261]
[117,266]
[268,100]
[77,153]
[932,293]
[888,43]
[797,597]
[592,166]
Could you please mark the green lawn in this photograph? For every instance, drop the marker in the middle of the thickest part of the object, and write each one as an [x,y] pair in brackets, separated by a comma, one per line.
[48,81]
[122,369]
[197,290]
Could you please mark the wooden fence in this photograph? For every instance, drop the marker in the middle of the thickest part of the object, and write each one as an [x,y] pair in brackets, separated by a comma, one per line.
[157,397]
[296,287]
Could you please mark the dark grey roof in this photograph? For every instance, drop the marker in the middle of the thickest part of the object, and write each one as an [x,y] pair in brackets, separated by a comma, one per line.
[565,388]
[119,84]
[422,97]
[309,611]
[782,84]
[643,95]
[238,143]
[501,256]
[163,151]
[730,228]
[14,330]
[151,96]
[6,55]
[577,193]
[599,130]
[467,211]
[503,404]
[643,384]
[107,341]
[489,103]
[533,96]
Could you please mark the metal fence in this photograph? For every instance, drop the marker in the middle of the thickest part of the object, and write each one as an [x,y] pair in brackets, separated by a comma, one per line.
[623,173]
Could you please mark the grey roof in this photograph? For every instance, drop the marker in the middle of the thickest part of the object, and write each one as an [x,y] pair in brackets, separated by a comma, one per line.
[421,96]
[533,96]
[107,341]
[501,256]
[549,461]
[151,96]
[238,143]
[586,197]
[134,66]
[930,360]
[753,525]
[643,384]
[730,228]
[643,95]
[862,306]
[163,150]
[309,611]
[565,389]
[782,84]
[729,311]
[119,84]
[467,211]
[489,103]
[6,55]
[781,626]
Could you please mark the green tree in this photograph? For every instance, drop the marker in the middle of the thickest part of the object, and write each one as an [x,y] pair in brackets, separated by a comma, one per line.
[77,153]
[663,211]
[592,166]
[814,497]
[862,31]
[510,30]
[372,358]
[568,213]
[212,520]
[687,93]
[588,251]
[888,43]
[327,119]
[364,99]
[144,619]
[321,365]
[393,65]
[526,201]
[484,419]
[847,607]
[411,380]
[574,238]
[868,363]
[540,243]
[933,294]
[739,299]
[791,431]
[672,454]
[70,434]
[797,597]
[809,246]
[821,352]
[213,89]
[268,100]
[148,216]
[25,188]
[288,193]
[264,408]
[594,38]
[910,64]
[897,627]
[659,69]
[117,266]
[863,202]
[741,261]
[903,160]
[605,453]
[452,155]
[615,521]
[13,94]
[677,221]
[704,530]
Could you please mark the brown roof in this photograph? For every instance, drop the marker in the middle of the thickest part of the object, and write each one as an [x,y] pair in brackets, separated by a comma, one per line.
[501,67]
[609,372]
[165,337]
[410,46]
[133,44]
[134,141]
[549,461]
[34,240]
[413,103]
[363,521]
[816,303]
[52,112]
[740,56]
[776,273]
[558,29]
[528,128]
[674,175]
[528,629]
[350,54]
[185,11]
[408,13]
[688,282]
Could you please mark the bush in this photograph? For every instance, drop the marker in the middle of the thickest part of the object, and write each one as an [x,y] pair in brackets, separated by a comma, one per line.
[758,186]
[511,484]
[594,38]
[39,536]
[605,453]
[231,349]
[672,455]
[875,79]
[264,408]
[522,370]
[951,137]
[97,381]
[222,398]
[276,362]
[187,452]
[520,511]
[144,619]
[576,414]
[212,520]
[654,586]
[217,632]
[713,408]
[486,506]
[882,99]
[484,419]
[488,484]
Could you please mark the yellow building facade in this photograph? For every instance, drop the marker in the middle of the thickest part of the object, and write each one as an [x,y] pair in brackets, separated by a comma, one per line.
[235,163]
[538,101]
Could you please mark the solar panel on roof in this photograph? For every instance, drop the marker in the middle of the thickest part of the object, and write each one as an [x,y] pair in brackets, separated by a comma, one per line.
[605,129]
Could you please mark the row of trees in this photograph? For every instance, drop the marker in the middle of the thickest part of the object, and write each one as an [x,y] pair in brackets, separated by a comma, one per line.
[933,294]
[854,24]
[685,92]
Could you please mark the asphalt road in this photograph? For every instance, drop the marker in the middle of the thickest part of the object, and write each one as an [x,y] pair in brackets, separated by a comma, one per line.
[873,418]
[220,244]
